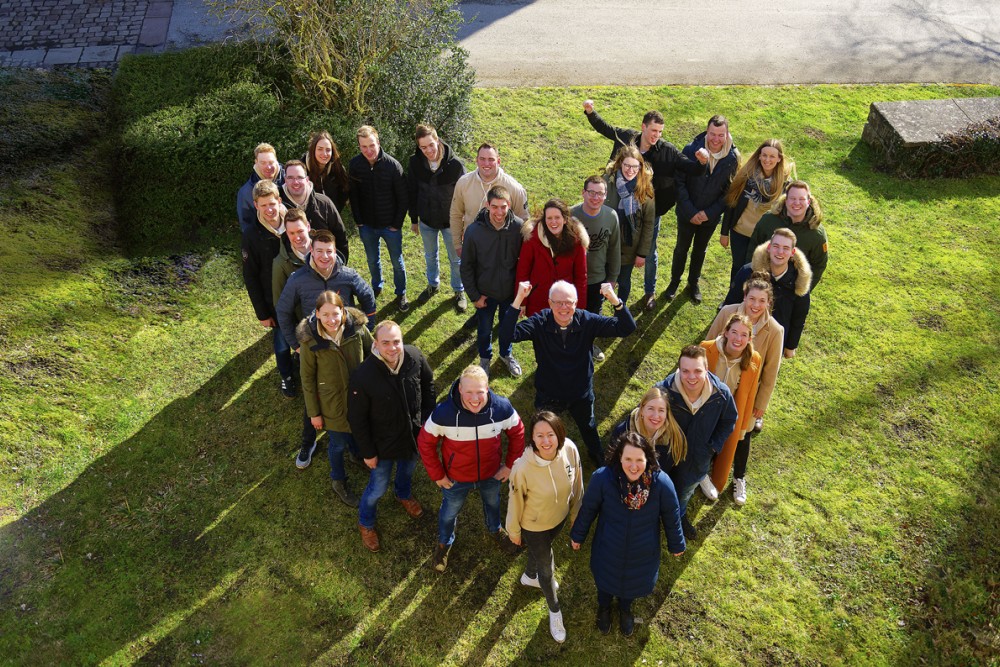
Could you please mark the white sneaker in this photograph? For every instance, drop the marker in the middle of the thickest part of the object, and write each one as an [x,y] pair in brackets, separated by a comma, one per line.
[708,488]
[739,491]
[533,582]
[598,354]
[556,626]
[512,365]
[758,425]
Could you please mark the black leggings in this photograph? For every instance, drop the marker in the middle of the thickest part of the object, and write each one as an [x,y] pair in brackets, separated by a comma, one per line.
[740,460]
[604,600]
[541,561]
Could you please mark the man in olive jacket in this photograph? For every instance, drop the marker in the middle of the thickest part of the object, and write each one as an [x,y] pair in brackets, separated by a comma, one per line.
[390,396]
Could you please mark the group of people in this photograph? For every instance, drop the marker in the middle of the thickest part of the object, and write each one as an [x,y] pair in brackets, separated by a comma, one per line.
[546,279]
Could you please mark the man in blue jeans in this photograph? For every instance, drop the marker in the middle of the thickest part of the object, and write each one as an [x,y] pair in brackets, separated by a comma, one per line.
[467,427]
[379,202]
[390,395]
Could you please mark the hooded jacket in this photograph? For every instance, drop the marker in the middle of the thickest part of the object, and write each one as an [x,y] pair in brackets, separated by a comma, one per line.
[539,265]
[643,236]
[470,199]
[378,191]
[706,191]
[489,257]
[304,287]
[663,157]
[767,341]
[471,447]
[323,214]
[543,495]
[791,291]
[385,410]
[625,554]
[810,236]
[430,192]
[326,367]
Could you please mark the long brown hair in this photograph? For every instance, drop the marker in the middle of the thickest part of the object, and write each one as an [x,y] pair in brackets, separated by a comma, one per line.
[746,357]
[673,436]
[565,243]
[751,169]
[643,180]
[316,172]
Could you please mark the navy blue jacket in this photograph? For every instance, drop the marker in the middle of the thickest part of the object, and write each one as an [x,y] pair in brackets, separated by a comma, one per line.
[706,430]
[705,191]
[489,257]
[565,367]
[625,554]
[304,287]
[245,211]
[378,191]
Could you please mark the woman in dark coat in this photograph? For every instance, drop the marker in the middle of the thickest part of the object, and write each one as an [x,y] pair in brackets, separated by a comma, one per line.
[325,169]
[632,497]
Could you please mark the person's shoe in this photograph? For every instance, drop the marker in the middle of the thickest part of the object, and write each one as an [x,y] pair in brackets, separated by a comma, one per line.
[708,488]
[461,302]
[429,292]
[671,292]
[440,559]
[404,303]
[533,582]
[758,425]
[512,365]
[412,507]
[369,538]
[344,493]
[695,292]
[690,532]
[556,627]
[604,620]
[305,456]
[504,543]
[484,363]
[649,301]
[626,622]
[740,491]
[598,354]
[288,387]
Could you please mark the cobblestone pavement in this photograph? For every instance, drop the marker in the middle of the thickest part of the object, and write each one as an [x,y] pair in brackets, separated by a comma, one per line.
[90,33]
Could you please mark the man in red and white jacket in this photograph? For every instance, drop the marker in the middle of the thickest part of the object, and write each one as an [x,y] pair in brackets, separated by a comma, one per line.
[461,447]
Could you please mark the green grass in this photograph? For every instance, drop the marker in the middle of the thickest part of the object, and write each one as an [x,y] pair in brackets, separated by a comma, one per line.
[150,511]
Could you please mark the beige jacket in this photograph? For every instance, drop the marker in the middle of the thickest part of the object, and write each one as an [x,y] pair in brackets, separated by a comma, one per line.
[470,198]
[542,496]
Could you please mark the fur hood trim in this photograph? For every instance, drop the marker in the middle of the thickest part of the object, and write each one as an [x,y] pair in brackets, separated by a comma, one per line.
[761,262]
[814,216]
[307,334]
[575,228]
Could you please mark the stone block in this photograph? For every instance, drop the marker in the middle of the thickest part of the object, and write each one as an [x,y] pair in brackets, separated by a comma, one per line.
[65,56]
[99,54]
[154,31]
[159,10]
[27,57]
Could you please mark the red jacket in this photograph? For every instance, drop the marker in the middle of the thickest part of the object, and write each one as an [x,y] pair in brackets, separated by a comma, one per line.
[537,264]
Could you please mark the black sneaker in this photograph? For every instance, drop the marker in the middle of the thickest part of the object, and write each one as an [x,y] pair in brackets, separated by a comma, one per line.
[671,290]
[305,456]
[690,532]
[377,290]
[288,388]
[695,292]
[604,620]
[404,303]
[626,623]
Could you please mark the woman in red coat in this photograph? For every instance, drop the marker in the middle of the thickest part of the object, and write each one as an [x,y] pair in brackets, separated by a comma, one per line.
[554,248]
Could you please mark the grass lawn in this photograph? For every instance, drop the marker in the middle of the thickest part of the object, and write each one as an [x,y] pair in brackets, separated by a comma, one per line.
[150,510]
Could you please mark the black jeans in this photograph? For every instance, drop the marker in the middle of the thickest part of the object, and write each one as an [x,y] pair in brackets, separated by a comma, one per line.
[541,561]
[688,234]
[594,298]
[740,460]
[604,600]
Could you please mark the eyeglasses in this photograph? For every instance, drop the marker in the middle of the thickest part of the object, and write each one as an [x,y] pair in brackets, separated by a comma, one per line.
[596,193]
[294,178]
[563,304]
[630,167]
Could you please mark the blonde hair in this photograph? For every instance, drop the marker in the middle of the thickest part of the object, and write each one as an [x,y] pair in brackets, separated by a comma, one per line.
[367,131]
[672,436]
[474,372]
[264,188]
[751,170]
[263,148]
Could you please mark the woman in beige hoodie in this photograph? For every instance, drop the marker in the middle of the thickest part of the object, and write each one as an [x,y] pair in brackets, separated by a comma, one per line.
[546,487]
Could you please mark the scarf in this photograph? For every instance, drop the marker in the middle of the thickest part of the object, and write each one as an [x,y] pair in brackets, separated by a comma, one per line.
[634,494]
[695,405]
[302,201]
[628,207]
[262,177]
[713,158]
[725,366]
[326,276]
[267,225]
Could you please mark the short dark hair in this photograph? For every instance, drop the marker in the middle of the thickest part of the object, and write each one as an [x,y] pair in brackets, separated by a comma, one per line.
[323,236]
[553,420]
[718,120]
[498,192]
[596,178]
[693,352]
[296,214]
[296,163]
[652,117]
[488,145]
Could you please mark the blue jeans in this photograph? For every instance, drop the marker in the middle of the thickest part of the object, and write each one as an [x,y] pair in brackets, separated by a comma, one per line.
[625,281]
[453,499]
[394,242]
[484,335]
[652,259]
[429,236]
[337,442]
[282,353]
[378,482]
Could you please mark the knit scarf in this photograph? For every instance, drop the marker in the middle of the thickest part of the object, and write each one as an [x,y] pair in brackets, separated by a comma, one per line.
[628,207]
[713,158]
[634,494]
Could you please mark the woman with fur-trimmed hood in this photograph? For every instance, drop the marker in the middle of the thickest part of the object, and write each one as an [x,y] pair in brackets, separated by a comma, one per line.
[333,342]
[555,248]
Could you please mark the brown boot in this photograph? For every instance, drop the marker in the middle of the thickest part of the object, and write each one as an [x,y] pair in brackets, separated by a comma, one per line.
[369,538]
[412,507]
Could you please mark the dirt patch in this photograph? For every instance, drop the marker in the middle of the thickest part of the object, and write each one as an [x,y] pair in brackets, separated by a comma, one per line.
[814,133]
[969,366]
[930,321]
[156,284]
[33,368]
[912,428]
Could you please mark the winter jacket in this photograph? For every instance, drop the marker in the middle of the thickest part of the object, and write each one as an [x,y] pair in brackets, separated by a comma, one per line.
[791,291]
[537,264]
[489,260]
[746,394]
[542,496]
[304,287]
[322,214]
[470,442]
[328,186]
[470,198]
[326,367]
[385,411]
[431,192]
[604,254]
[767,341]
[565,363]
[642,238]
[284,265]
[706,430]
[705,191]
[378,191]
[625,554]
[666,161]
[810,237]
[259,247]
[245,211]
